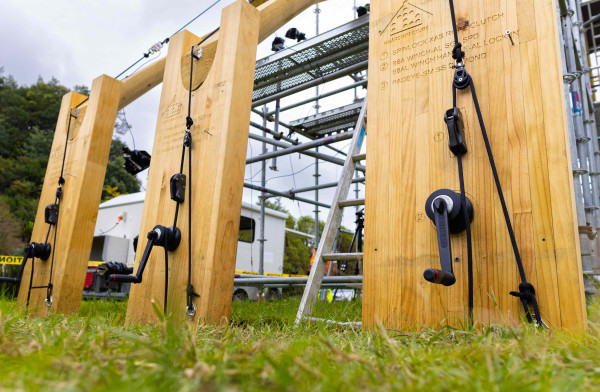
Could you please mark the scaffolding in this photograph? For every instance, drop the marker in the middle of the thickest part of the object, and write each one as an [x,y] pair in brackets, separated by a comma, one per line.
[331,56]
[578,37]
[343,52]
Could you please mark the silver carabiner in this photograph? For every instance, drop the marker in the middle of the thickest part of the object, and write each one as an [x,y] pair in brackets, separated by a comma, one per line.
[48,302]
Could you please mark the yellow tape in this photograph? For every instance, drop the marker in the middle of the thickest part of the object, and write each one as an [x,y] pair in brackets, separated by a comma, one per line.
[11,260]
[269,274]
[17,260]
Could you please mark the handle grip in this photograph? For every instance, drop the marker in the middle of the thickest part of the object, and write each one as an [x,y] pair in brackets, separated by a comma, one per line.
[123,278]
[6,279]
[439,276]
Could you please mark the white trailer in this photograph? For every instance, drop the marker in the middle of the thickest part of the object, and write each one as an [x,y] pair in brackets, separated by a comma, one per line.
[121,218]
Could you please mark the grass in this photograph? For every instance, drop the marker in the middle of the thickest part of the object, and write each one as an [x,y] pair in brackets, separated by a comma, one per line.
[260,350]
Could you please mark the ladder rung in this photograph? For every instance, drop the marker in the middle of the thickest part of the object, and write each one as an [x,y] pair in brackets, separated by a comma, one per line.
[359,157]
[351,202]
[342,256]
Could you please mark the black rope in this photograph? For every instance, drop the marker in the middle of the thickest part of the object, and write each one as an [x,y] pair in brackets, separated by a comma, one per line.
[208,36]
[187,142]
[30,278]
[58,198]
[463,202]
[461,81]
[166,281]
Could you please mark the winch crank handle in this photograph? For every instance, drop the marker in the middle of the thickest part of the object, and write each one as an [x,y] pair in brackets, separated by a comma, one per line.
[137,278]
[445,276]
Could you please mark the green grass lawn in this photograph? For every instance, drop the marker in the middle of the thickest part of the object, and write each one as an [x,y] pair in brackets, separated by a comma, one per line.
[260,350]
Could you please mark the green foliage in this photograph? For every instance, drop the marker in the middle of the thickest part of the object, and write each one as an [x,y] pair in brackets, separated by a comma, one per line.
[28,116]
[260,350]
[10,243]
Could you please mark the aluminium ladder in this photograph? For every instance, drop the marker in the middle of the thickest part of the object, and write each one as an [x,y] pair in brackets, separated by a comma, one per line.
[334,220]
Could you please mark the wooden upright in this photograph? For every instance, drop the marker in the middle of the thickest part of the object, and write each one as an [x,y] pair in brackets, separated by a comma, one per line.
[220,111]
[85,165]
[520,91]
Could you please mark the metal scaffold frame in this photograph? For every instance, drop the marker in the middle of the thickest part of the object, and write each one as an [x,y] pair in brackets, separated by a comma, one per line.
[335,54]
[583,134]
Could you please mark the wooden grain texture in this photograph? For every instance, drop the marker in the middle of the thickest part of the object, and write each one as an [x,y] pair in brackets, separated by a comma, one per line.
[521,94]
[273,14]
[221,106]
[85,165]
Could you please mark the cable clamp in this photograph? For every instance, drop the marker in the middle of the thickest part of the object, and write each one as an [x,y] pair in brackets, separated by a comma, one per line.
[155,48]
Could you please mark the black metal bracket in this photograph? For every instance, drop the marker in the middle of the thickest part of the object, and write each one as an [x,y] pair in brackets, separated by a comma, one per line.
[177,185]
[456,131]
[51,214]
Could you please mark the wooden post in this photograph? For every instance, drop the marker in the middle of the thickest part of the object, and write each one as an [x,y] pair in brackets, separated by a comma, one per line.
[85,165]
[520,91]
[220,111]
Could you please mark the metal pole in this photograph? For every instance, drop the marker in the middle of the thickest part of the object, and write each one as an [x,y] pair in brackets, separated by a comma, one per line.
[323,186]
[325,95]
[276,136]
[293,129]
[302,147]
[263,182]
[276,129]
[317,175]
[283,194]
[297,280]
[323,157]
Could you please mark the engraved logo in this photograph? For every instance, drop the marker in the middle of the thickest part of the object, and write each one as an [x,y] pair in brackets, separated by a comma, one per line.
[406,18]
[173,109]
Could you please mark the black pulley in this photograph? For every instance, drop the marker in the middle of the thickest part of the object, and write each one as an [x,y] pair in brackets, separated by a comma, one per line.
[462,79]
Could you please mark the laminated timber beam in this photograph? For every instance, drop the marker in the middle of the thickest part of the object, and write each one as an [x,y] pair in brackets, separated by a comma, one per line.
[87,152]
[520,90]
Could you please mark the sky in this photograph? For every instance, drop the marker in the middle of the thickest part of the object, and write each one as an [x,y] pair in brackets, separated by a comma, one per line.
[76,42]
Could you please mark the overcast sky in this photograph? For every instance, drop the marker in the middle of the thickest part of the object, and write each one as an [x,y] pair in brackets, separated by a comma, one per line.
[78,41]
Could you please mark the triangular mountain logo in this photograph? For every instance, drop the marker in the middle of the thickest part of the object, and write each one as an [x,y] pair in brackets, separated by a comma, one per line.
[406,18]
[173,109]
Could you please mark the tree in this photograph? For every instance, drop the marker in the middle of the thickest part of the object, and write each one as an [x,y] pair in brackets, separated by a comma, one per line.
[10,243]
[28,116]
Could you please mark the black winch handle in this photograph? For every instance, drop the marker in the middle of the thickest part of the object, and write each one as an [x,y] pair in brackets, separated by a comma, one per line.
[166,237]
[444,276]
[137,278]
